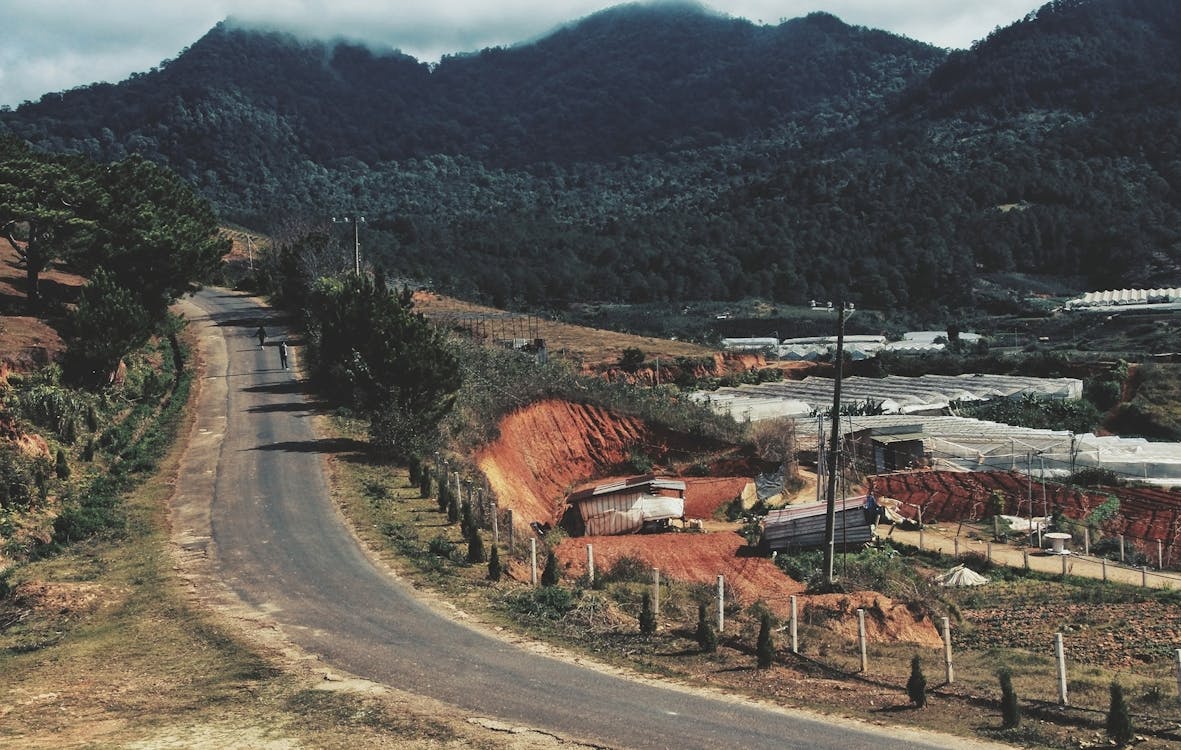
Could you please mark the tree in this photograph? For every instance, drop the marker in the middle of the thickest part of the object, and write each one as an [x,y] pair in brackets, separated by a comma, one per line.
[61,465]
[40,201]
[107,323]
[475,545]
[707,639]
[369,350]
[424,484]
[155,235]
[1010,709]
[494,570]
[765,650]
[549,575]
[647,615]
[631,359]
[916,686]
[1119,719]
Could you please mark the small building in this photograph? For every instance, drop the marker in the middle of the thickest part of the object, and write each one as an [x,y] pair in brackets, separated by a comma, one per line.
[802,526]
[890,448]
[629,506]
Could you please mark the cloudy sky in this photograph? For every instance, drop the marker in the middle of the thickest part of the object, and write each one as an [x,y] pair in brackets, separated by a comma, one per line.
[53,45]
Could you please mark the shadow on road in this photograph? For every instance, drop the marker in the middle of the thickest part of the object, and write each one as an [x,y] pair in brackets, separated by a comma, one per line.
[289,406]
[347,448]
[284,387]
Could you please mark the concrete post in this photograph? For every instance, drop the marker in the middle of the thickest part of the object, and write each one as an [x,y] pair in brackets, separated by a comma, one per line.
[1144,576]
[656,591]
[533,561]
[1086,541]
[1060,655]
[1025,557]
[495,525]
[988,550]
[996,527]
[795,639]
[1103,563]
[508,519]
[1177,653]
[949,669]
[956,546]
[590,563]
[1063,566]
[1160,555]
[1121,548]
[920,528]
[721,603]
[861,639]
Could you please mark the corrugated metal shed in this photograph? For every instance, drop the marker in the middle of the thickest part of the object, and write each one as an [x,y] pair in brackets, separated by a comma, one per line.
[802,526]
[623,507]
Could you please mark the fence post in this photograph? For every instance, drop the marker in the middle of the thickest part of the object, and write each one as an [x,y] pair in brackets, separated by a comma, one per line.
[861,638]
[1160,555]
[795,640]
[495,525]
[948,669]
[920,528]
[508,519]
[996,527]
[656,591]
[1025,557]
[1063,566]
[590,563]
[1121,548]
[1086,541]
[1178,654]
[1060,655]
[1144,576]
[533,561]
[956,543]
[721,603]
[988,550]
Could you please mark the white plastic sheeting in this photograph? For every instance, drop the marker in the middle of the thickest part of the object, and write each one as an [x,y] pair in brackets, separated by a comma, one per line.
[1125,297]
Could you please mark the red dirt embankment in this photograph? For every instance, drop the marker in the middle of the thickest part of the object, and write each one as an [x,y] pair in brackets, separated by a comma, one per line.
[548,448]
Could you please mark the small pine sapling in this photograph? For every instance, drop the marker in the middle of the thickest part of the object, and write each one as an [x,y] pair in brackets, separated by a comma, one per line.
[916,686]
[549,576]
[1119,719]
[494,570]
[707,639]
[1010,709]
[765,650]
[647,615]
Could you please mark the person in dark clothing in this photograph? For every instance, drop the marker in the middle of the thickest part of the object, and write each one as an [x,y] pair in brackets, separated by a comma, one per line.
[262,336]
[283,354]
[873,511]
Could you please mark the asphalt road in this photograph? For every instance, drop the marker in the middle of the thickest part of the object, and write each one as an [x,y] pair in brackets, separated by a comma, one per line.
[280,546]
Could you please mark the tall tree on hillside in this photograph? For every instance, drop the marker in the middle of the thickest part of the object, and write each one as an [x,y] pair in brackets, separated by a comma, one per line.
[40,198]
[158,237]
[107,323]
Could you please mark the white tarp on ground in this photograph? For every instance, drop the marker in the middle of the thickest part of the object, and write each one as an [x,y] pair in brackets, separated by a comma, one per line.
[626,514]
[960,576]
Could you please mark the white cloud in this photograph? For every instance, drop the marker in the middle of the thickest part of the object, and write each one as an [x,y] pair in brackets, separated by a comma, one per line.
[53,45]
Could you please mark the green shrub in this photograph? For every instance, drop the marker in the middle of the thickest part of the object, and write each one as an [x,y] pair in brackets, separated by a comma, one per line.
[545,603]
[549,575]
[494,571]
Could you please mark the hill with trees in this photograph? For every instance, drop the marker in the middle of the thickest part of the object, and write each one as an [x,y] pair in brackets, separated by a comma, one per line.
[666,153]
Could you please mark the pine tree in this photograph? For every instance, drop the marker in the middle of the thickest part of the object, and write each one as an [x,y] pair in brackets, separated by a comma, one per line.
[916,686]
[452,508]
[414,467]
[494,570]
[444,498]
[62,467]
[475,545]
[549,576]
[1119,720]
[647,615]
[707,639]
[765,650]
[1010,709]
[424,484]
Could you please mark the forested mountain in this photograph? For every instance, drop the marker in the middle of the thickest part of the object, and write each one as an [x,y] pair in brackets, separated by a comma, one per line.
[664,152]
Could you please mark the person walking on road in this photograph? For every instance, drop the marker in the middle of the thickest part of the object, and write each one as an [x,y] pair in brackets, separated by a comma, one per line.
[283,354]
[262,336]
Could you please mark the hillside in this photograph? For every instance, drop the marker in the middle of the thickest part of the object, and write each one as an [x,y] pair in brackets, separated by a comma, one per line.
[665,153]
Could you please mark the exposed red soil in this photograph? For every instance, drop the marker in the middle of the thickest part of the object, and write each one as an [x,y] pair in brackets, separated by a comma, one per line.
[1146,514]
[550,448]
[28,342]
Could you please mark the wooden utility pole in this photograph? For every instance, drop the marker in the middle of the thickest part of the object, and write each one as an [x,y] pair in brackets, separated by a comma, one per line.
[830,516]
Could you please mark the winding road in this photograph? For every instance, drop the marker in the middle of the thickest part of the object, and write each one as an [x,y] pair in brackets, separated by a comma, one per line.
[256,504]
